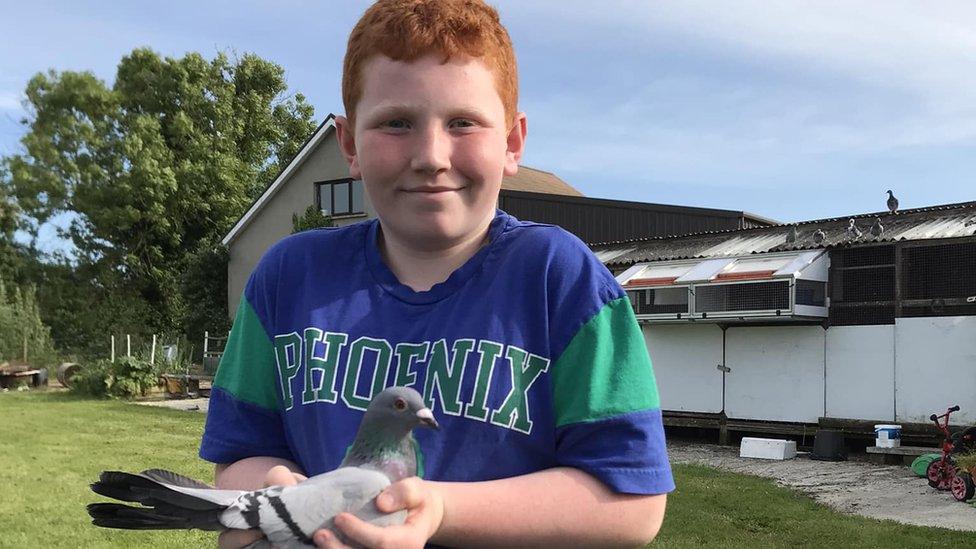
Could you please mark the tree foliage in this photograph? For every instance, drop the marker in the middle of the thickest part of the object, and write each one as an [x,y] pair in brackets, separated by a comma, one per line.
[21,326]
[313,218]
[152,168]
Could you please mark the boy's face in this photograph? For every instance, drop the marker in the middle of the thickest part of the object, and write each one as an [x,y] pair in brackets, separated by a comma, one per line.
[431,143]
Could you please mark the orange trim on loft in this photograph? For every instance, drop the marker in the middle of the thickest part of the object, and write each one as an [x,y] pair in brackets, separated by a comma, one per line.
[745,275]
[656,281]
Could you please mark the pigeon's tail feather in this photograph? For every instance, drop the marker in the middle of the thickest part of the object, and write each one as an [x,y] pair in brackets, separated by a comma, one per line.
[156,486]
[163,517]
[172,501]
[173,479]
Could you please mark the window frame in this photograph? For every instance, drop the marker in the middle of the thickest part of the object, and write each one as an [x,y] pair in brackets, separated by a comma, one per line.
[319,187]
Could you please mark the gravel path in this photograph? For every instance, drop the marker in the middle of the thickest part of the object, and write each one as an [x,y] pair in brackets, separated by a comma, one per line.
[185,404]
[876,491]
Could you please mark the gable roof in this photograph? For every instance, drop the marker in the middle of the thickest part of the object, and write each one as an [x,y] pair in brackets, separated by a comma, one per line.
[527,179]
[537,181]
[327,126]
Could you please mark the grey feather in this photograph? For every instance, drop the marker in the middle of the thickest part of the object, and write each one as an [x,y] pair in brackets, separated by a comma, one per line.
[852,231]
[892,202]
[877,229]
[819,237]
[382,452]
[791,235]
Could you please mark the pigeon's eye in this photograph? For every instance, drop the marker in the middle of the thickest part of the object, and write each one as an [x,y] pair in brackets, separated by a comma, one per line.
[399,404]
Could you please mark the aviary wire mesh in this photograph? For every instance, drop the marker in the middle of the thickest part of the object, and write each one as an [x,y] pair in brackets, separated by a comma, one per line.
[811,292]
[862,286]
[939,280]
[753,296]
[655,301]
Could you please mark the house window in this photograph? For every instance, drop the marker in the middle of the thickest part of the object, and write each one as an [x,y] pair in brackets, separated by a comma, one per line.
[339,197]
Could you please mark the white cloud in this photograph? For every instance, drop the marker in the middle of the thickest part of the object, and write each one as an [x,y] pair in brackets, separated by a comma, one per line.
[772,87]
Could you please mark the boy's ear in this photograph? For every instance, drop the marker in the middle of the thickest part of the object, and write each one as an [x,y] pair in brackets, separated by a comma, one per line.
[347,144]
[515,144]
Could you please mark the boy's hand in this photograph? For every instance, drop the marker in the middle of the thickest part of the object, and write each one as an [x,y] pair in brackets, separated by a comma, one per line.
[425,508]
[278,475]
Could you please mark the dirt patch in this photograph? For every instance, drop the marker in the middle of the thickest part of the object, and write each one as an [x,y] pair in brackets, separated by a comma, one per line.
[857,487]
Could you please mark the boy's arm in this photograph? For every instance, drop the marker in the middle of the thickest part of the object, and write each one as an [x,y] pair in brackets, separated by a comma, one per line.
[249,473]
[252,474]
[556,507]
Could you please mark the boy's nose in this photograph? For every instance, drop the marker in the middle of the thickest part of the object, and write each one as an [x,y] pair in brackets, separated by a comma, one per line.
[432,151]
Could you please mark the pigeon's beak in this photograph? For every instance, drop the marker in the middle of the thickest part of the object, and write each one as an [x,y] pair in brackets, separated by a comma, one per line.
[427,418]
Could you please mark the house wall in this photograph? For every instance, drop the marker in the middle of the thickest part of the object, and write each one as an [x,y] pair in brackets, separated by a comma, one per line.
[274,222]
[902,372]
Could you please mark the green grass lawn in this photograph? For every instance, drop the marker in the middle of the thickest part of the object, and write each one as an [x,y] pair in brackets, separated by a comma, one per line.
[52,445]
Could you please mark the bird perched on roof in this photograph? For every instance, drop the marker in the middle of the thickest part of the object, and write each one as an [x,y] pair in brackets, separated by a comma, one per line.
[852,231]
[892,202]
[384,451]
[877,229]
[791,235]
[819,236]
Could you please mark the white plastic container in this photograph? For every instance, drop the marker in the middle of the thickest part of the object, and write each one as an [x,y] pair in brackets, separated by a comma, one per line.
[887,436]
[767,448]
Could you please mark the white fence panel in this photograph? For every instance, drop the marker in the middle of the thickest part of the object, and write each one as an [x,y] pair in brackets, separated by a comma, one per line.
[777,373]
[860,376]
[685,359]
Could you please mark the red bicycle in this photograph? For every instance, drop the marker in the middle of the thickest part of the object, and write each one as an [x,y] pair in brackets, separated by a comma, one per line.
[941,471]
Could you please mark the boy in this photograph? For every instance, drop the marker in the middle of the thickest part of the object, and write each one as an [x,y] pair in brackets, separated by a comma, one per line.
[519,339]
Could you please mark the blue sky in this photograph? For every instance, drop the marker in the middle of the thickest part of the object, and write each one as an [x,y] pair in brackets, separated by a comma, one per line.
[791,110]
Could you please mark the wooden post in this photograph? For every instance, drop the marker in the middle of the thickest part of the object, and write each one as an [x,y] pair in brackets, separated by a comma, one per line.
[206,339]
[25,347]
[128,345]
[152,353]
[113,347]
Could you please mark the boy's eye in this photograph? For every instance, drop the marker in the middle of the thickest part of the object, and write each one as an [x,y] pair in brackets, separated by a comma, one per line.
[462,123]
[397,124]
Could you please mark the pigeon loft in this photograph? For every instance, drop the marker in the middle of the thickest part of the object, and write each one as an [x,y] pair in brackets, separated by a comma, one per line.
[767,448]
[778,287]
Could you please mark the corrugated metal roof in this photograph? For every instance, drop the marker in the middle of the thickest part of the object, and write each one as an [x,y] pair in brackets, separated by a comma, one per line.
[945,221]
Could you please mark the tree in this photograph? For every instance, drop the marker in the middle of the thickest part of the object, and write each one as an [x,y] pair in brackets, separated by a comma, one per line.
[166,159]
[12,254]
[313,218]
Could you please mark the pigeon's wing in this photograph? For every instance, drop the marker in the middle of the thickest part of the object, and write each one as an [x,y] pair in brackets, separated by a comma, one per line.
[289,515]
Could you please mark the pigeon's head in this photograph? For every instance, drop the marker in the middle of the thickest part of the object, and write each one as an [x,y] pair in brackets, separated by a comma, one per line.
[402,407]
[890,193]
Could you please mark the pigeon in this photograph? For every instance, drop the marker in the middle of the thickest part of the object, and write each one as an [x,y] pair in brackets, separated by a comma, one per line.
[819,236]
[791,235]
[383,452]
[877,229]
[892,202]
[853,231]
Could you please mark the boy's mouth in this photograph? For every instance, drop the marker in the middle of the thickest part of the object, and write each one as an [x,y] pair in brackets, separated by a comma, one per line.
[433,190]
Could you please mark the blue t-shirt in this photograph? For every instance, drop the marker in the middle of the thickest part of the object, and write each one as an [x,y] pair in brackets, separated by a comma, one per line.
[529,356]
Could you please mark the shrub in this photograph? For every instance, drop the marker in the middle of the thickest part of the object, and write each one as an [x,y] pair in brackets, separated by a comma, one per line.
[127,377]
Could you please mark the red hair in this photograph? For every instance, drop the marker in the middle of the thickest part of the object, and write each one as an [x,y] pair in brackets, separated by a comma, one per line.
[405,30]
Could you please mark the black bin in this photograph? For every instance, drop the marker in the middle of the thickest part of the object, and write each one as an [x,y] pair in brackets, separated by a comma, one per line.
[829,446]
